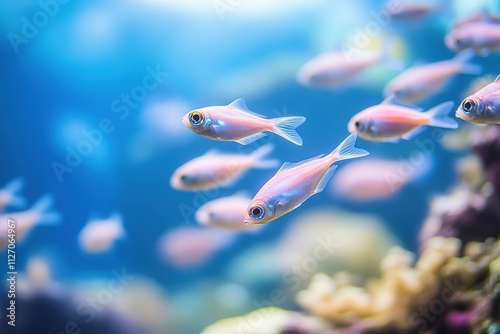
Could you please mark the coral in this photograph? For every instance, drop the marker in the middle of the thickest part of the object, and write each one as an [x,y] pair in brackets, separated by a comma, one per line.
[440,291]
[270,320]
[472,211]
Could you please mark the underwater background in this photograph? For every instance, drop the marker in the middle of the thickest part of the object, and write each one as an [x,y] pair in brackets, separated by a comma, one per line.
[75,70]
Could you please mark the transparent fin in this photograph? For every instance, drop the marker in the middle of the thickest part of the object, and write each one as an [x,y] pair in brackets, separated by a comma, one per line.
[413,133]
[324,180]
[13,188]
[346,149]
[241,105]
[463,58]
[498,78]
[260,153]
[44,208]
[438,116]
[289,165]
[285,127]
[392,99]
[251,138]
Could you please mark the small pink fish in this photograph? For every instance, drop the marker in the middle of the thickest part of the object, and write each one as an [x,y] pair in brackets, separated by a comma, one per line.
[406,11]
[389,122]
[296,182]
[235,122]
[420,82]
[99,235]
[482,37]
[336,68]
[41,213]
[214,169]
[188,247]
[483,107]
[370,179]
[227,213]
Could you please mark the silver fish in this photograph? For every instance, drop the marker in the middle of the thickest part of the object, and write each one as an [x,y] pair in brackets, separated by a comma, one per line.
[296,182]
[483,107]
[235,122]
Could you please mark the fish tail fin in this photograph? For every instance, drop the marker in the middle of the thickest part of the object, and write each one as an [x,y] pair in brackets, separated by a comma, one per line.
[285,127]
[438,116]
[259,154]
[116,216]
[43,206]
[387,58]
[463,59]
[346,149]
[13,188]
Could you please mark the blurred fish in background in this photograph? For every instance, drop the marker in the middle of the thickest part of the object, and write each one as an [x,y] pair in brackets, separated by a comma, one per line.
[124,108]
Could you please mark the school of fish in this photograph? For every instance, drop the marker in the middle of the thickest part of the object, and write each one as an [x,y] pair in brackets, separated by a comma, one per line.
[392,120]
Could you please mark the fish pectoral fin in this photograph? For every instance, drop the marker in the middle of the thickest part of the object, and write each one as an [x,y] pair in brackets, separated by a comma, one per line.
[251,138]
[288,165]
[497,79]
[413,133]
[324,180]
[240,104]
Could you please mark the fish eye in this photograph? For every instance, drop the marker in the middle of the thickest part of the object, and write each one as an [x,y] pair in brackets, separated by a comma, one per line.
[183,178]
[196,118]
[469,106]
[357,124]
[256,212]
[458,41]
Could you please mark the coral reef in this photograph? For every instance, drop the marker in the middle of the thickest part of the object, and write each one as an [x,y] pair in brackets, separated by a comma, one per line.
[270,320]
[476,200]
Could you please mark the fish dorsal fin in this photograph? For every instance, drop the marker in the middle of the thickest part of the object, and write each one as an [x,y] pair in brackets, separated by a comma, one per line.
[289,165]
[324,180]
[392,99]
[241,105]
[497,79]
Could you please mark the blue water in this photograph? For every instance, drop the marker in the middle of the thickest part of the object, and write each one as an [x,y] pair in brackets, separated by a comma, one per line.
[65,79]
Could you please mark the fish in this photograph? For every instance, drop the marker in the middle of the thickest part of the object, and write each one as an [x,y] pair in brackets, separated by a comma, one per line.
[406,11]
[479,36]
[483,107]
[227,213]
[371,179]
[99,235]
[41,213]
[214,169]
[389,121]
[420,82]
[9,194]
[336,68]
[189,247]
[294,183]
[235,122]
